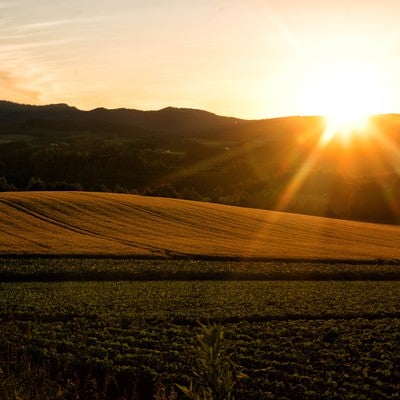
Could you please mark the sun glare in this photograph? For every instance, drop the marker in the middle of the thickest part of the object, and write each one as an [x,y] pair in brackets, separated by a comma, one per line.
[345,126]
[346,95]
[349,101]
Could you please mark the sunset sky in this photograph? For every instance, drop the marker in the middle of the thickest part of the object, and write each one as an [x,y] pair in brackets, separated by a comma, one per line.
[245,58]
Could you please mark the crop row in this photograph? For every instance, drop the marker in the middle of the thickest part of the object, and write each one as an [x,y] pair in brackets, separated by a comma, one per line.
[297,340]
[108,269]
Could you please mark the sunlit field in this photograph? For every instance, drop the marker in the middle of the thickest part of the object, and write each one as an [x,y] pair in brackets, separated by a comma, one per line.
[101,296]
[101,224]
[199,200]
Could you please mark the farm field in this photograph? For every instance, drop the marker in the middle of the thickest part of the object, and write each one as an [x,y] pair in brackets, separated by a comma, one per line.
[102,297]
[109,224]
[26,269]
[295,340]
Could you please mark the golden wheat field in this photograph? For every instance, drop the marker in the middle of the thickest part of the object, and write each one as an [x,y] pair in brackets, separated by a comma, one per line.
[105,224]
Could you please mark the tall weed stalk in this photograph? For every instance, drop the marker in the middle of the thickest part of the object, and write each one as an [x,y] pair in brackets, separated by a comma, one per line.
[215,376]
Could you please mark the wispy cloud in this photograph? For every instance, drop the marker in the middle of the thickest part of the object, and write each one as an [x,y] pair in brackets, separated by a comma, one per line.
[12,89]
[33,45]
[61,22]
[32,66]
[39,58]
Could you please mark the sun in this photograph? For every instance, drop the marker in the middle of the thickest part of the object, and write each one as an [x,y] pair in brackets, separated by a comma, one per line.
[349,101]
[347,95]
[345,125]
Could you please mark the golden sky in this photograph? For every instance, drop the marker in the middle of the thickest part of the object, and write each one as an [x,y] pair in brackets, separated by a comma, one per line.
[245,58]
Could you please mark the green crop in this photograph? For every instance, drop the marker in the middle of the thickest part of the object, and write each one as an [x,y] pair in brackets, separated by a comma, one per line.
[308,340]
[38,269]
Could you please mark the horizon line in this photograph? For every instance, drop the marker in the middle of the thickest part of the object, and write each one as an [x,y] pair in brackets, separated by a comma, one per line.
[183,108]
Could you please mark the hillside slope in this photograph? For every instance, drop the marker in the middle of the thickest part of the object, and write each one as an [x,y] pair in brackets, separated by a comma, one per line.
[169,119]
[78,223]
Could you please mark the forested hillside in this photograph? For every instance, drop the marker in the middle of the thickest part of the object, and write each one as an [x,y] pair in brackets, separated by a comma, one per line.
[192,154]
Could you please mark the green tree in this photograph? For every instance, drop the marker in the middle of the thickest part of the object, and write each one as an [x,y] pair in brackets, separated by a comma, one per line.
[166,190]
[5,186]
[36,184]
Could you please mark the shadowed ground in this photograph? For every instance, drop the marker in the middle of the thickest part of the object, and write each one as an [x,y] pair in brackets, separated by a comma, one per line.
[104,224]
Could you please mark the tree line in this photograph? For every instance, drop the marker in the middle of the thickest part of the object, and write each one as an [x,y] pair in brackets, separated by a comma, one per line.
[252,176]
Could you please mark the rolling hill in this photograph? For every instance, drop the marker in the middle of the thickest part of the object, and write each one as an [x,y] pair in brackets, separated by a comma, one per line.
[56,119]
[84,223]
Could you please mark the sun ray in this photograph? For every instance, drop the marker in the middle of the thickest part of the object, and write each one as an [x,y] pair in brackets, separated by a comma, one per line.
[301,175]
[391,153]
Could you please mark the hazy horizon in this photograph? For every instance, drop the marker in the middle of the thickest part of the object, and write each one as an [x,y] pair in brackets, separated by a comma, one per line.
[180,108]
[252,60]
[154,110]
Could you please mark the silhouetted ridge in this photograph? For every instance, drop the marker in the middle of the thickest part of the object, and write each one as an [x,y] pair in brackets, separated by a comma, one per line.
[169,119]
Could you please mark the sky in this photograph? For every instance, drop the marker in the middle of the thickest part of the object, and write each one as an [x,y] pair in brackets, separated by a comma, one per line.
[244,58]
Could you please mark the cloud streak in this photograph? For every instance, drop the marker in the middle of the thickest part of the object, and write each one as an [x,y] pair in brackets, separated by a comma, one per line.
[33,45]
[11,87]
[63,22]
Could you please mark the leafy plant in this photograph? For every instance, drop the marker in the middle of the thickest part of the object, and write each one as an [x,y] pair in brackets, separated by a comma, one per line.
[216,376]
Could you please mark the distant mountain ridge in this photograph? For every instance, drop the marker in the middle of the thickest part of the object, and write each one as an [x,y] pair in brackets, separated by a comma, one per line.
[59,120]
[165,120]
